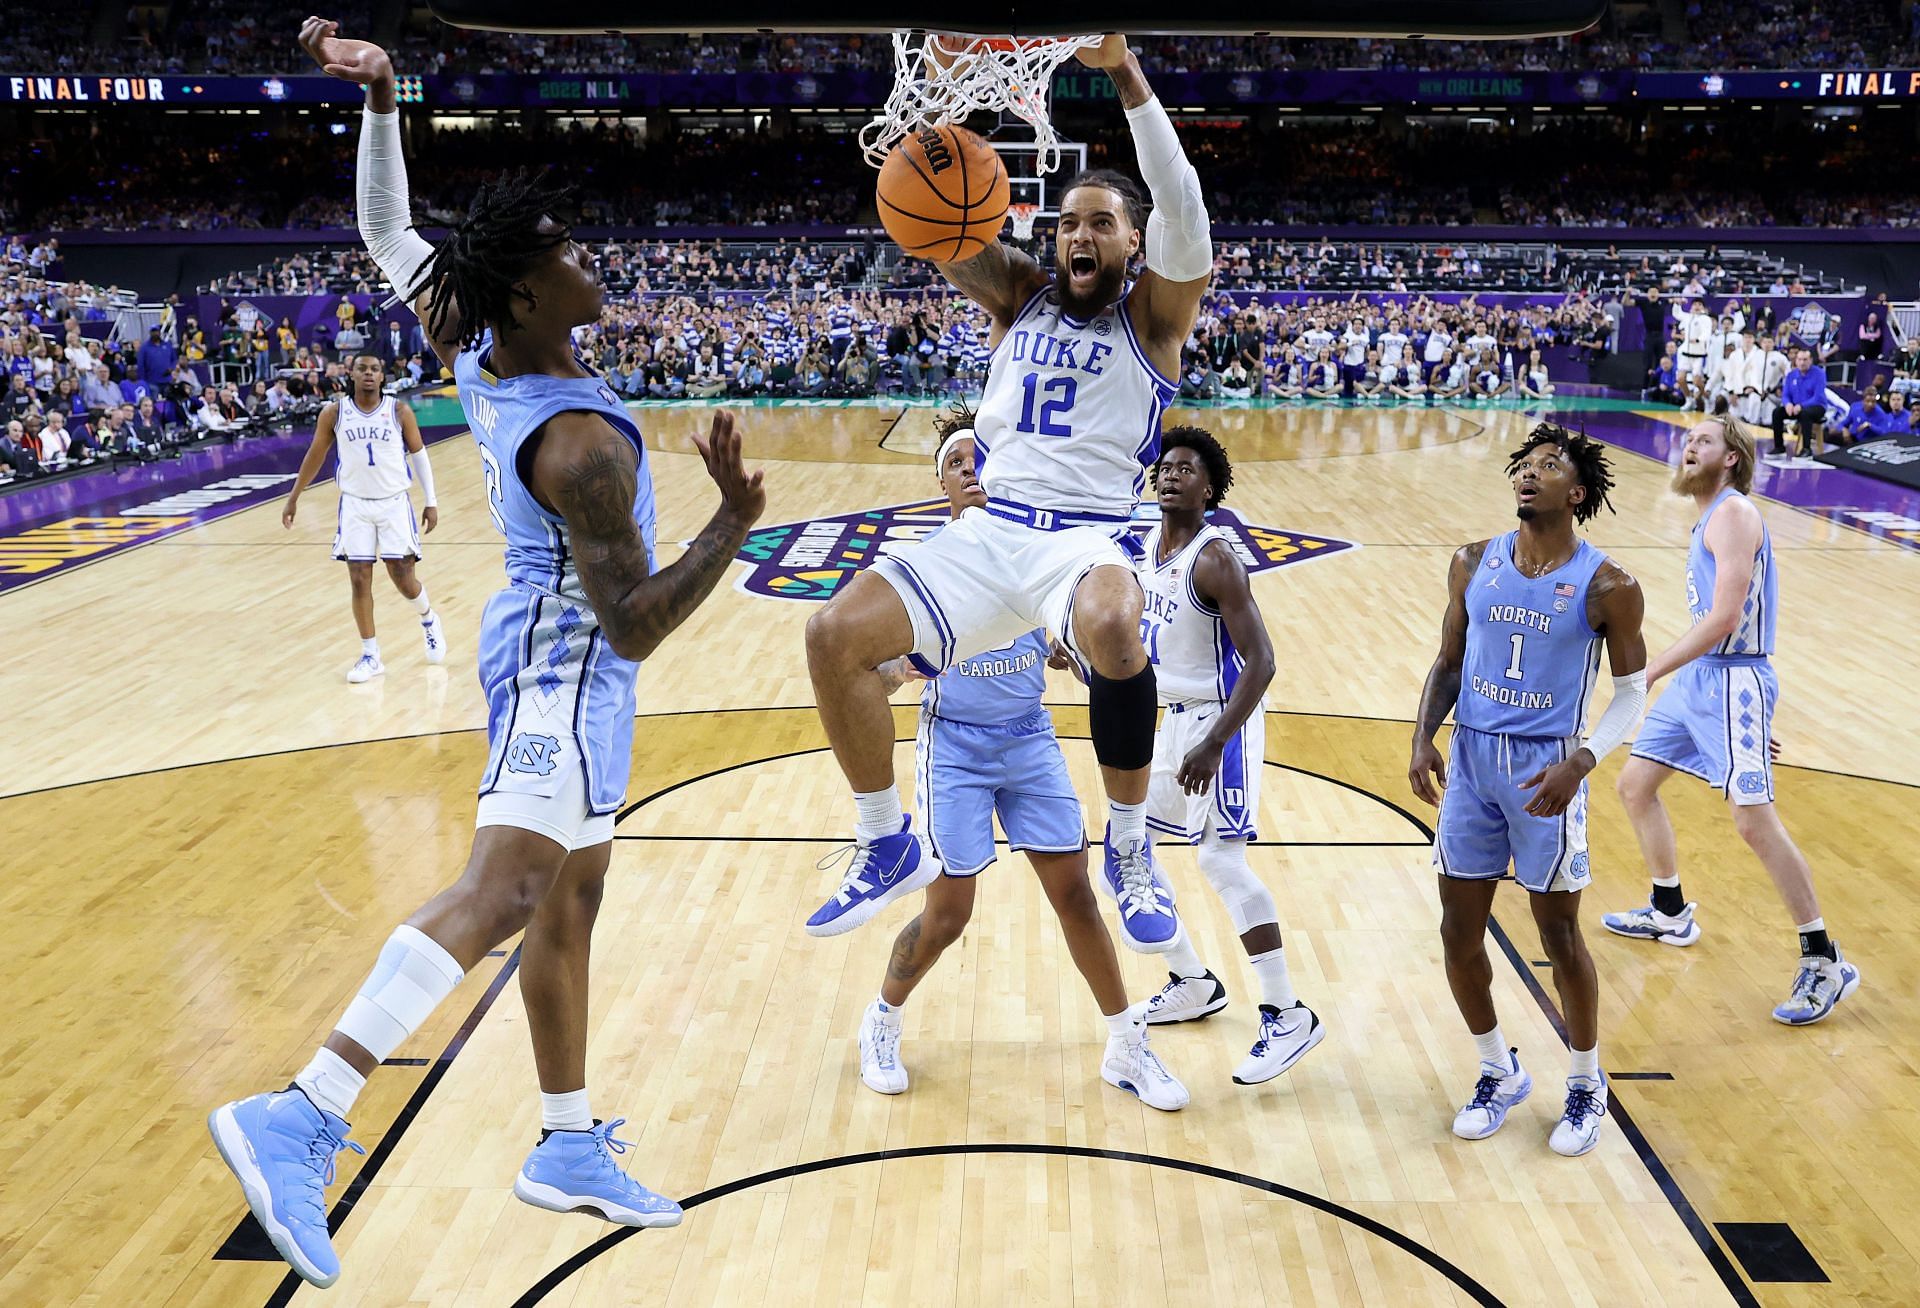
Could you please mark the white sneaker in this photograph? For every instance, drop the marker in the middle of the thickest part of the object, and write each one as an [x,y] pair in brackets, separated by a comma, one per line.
[365,668]
[1579,1127]
[880,1067]
[436,639]
[1186,999]
[1286,1034]
[1649,923]
[1818,985]
[1131,1065]
[1493,1095]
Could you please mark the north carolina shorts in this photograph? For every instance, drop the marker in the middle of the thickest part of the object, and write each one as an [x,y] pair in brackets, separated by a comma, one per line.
[385,528]
[1230,805]
[965,774]
[1484,825]
[1713,722]
[984,581]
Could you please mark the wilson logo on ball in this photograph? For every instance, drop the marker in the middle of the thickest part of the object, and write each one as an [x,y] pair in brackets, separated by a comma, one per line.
[934,146]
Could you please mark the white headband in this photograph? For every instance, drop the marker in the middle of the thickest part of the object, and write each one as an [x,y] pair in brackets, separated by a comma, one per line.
[946,447]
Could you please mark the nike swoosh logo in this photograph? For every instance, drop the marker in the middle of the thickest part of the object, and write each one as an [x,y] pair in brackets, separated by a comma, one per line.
[892,874]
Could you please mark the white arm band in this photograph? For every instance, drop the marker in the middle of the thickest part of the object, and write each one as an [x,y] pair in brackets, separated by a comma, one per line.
[384,210]
[1179,236]
[1622,717]
[423,473]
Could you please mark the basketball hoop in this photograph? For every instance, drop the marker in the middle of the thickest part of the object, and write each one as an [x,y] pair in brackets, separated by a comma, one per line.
[939,80]
[1021,216]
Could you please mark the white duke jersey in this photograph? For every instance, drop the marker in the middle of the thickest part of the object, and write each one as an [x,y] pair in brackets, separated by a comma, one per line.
[373,457]
[1070,417]
[1193,657]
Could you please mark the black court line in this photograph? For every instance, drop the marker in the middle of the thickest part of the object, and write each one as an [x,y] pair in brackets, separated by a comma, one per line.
[1466,1284]
[1639,1076]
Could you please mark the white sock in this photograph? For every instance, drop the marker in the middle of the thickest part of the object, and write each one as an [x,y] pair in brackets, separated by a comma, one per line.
[1818,924]
[408,982]
[1586,1062]
[1123,1023]
[1276,987]
[565,1112]
[1493,1049]
[421,604]
[1126,822]
[1666,881]
[889,1013]
[371,645]
[1181,959]
[331,1082]
[880,813]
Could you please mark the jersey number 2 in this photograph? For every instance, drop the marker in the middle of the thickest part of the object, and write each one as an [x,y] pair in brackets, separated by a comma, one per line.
[1063,389]
[490,469]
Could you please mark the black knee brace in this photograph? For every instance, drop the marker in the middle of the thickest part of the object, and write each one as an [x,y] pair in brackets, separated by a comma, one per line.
[1122,715]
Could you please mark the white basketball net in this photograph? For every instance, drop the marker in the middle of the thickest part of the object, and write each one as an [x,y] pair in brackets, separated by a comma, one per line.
[981,76]
[1022,216]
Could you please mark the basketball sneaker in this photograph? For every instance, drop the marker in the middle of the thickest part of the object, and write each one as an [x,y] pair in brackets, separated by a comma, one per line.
[281,1149]
[574,1172]
[1286,1034]
[1131,1065]
[880,1066]
[365,668]
[436,639]
[1147,920]
[1649,923]
[882,871]
[1186,999]
[1578,1129]
[1818,985]
[1494,1094]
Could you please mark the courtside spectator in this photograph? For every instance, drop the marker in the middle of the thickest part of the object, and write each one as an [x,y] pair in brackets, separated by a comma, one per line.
[1803,403]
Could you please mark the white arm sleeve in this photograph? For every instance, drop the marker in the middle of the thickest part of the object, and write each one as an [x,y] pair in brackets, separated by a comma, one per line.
[1179,235]
[1622,717]
[384,210]
[423,473]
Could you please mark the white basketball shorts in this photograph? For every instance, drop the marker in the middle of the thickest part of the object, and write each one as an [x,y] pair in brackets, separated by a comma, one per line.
[376,529]
[1230,805]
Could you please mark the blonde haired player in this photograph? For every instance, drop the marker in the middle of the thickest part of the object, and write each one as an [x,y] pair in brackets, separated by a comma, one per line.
[380,454]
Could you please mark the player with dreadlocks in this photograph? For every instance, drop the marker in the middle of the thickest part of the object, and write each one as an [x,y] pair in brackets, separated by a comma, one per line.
[568,486]
[1527,613]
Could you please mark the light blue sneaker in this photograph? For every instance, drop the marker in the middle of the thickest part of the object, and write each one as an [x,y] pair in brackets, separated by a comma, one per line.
[882,871]
[281,1149]
[574,1172]
[1818,985]
[1494,1095]
[1147,921]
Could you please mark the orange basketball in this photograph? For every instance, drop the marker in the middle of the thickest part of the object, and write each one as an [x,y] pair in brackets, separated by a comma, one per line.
[943,194]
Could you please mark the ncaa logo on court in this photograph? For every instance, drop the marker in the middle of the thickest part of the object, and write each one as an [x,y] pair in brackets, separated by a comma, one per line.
[812,560]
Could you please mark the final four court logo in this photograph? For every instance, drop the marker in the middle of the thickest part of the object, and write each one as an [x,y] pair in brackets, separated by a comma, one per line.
[812,560]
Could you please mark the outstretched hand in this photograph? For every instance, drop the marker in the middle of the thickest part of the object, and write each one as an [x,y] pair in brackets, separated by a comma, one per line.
[741,494]
[1110,53]
[360,62]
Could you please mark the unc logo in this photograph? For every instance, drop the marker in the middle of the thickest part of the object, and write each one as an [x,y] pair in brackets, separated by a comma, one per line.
[934,146]
[533,754]
[1578,867]
[1752,783]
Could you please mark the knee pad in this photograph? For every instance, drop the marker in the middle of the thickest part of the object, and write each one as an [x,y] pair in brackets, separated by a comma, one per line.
[1121,715]
[1248,901]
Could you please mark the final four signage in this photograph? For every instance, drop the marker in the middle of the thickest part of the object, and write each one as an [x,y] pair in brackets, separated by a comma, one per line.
[812,560]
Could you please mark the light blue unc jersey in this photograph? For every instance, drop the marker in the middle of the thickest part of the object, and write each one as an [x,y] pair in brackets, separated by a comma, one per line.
[998,688]
[1531,660]
[1069,420]
[558,697]
[1752,635]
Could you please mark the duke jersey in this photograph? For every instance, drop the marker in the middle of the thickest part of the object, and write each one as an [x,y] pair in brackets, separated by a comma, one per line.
[1752,635]
[1070,417]
[998,688]
[372,457]
[1193,657]
[1531,660]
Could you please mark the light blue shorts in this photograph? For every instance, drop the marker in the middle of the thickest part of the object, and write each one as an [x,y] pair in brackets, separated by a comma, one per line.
[1713,723]
[965,774]
[1484,823]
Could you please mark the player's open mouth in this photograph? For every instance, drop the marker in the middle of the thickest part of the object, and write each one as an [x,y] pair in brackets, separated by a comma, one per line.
[1082,265]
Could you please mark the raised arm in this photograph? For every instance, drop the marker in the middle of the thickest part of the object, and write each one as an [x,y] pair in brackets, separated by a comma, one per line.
[1442,689]
[310,464]
[588,473]
[1000,279]
[1221,581]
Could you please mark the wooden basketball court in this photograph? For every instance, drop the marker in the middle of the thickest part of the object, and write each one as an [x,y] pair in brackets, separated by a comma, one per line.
[209,834]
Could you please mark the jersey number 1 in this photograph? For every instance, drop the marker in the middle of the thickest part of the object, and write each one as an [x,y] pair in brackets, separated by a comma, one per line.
[1513,665]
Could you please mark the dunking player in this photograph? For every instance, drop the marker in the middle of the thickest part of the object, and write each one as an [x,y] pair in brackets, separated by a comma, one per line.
[986,746]
[1069,422]
[1212,663]
[1519,655]
[376,513]
[1716,721]
[568,485]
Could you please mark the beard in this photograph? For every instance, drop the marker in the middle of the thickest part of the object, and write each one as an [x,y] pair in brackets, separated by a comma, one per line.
[1105,290]
[1701,480]
[1526,513]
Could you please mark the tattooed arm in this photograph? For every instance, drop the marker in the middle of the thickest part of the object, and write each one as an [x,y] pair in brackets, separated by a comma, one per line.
[588,473]
[1442,690]
[1000,279]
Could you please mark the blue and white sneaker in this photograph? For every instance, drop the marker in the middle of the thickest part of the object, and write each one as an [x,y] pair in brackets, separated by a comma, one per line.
[1649,923]
[281,1149]
[1578,1129]
[882,871]
[1147,921]
[1286,1034]
[1493,1095]
[1818,985]
[574,1172]
[365,668]
[436,638]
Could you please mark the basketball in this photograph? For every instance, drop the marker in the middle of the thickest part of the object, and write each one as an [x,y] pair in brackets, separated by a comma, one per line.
[943,194]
